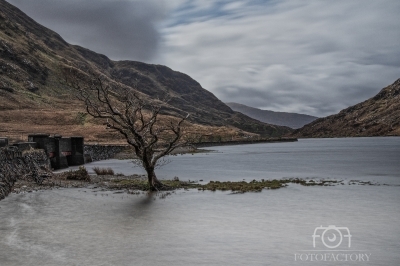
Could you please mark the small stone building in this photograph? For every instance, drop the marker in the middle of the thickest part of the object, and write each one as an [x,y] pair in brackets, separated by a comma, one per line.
[62,152]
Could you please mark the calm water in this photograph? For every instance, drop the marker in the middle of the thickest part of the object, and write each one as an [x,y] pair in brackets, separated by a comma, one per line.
[88,227]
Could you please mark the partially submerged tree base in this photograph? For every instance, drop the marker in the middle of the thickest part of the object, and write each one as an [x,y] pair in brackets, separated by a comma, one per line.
[156,185]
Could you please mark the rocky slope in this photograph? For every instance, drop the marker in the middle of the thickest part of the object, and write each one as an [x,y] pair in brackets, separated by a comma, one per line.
[32,58]
[292,120]
[378,116]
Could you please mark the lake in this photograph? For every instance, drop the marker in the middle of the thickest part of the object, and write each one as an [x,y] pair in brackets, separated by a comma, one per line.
[296,225]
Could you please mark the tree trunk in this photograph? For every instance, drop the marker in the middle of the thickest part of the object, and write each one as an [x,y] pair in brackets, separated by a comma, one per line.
[154,183]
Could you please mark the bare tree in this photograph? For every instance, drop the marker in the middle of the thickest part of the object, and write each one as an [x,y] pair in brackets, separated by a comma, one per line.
[152,136]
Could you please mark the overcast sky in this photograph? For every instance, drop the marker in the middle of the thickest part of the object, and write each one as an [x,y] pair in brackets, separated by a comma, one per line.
[312,57]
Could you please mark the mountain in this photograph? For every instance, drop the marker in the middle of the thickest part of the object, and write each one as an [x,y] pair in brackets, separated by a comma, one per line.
[292,120]
[378,116]
[32,91]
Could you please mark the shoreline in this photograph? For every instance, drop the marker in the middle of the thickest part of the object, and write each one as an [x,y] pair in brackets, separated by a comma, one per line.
[138,183]
[243,142]
[127,153]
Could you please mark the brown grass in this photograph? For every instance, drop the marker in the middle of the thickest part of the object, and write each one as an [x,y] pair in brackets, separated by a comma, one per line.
[17,124]
[81,174]
[103,171]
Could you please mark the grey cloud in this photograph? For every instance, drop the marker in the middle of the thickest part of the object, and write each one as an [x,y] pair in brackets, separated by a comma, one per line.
[318,96]
[289,96]
[386,59]
[314,57]
[122,29]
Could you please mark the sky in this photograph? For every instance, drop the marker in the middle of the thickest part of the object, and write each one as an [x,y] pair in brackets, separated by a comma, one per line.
[313,57]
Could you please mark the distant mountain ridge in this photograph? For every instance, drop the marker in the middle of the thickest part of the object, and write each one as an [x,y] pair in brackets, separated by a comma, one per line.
[292,120]
[377,116]
[33,57]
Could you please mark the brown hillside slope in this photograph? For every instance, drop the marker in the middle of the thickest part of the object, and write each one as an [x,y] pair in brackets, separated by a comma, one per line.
[378,116]
[33,97]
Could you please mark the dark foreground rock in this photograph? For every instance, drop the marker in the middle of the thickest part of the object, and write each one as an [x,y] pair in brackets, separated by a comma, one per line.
[32,166]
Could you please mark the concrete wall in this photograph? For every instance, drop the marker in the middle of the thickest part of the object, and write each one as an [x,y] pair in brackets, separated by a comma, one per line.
[77,151]
[63,149]
[3,142]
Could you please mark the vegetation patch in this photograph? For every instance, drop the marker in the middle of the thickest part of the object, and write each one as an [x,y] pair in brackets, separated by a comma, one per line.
[137,184]
[81,175]
[103,171]
[142,184]
[236,187]
[81,118]
[132,184]
[242,186]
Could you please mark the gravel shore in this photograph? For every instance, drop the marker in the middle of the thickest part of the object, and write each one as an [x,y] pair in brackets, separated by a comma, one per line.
[59,181]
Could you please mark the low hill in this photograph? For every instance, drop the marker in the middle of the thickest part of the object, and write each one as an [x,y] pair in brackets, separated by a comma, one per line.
[292,120]
[33,97]
[378,116]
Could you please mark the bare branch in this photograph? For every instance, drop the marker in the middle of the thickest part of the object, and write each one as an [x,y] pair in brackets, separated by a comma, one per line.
[137,120]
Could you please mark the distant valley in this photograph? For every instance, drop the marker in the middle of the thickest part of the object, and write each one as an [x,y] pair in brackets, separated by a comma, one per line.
[292,120]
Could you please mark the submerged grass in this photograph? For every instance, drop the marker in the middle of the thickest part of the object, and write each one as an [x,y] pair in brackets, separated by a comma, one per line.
[107,180]
[242,186]
[236,187]
[81,175]
[103,171]
[138,183]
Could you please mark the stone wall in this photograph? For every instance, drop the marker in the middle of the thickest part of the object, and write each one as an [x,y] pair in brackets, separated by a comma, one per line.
[14,165]
[102,152]
[240,142]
